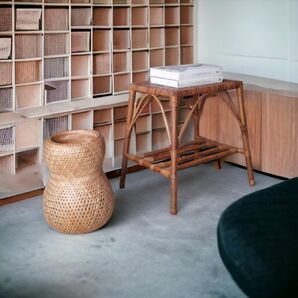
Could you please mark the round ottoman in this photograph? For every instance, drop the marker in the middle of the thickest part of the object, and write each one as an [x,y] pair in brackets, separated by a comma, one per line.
[258,241]
[78,197]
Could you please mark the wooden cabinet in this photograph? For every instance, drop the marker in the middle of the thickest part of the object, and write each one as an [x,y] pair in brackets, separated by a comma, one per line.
[272,121]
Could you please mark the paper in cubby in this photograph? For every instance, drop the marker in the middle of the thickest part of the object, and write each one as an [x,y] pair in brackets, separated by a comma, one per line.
[56,19]
[56,67]
[55,125]
[28,18]
[27,46]
[56,44]
[57,91]
[5,47]
[6,100]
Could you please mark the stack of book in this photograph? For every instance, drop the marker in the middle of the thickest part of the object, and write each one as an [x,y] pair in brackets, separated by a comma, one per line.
[186,75]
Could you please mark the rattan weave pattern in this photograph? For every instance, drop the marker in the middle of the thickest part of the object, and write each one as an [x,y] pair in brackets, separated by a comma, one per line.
[78,197]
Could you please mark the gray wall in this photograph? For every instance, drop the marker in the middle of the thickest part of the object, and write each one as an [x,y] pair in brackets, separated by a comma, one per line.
[257,37]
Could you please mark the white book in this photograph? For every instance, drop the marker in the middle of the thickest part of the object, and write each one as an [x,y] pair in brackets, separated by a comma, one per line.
[187,83]
[184,71]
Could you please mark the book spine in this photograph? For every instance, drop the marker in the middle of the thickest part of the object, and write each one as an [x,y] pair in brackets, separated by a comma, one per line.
[185,83]
[185,75]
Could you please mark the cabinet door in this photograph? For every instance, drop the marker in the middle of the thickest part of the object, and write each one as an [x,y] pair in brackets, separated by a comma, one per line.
[278,134]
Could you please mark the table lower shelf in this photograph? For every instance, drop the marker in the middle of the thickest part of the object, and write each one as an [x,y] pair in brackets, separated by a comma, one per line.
[188,155]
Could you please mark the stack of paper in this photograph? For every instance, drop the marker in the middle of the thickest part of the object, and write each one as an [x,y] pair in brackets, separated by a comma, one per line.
[186,75]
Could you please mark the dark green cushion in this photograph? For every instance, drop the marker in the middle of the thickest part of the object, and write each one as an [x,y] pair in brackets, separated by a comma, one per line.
[258,241]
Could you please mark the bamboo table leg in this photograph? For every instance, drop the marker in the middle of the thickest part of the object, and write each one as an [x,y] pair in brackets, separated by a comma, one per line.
[174,147]
[244,134]
[131,102]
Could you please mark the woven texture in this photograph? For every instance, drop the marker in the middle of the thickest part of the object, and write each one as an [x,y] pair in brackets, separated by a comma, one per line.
[78,197]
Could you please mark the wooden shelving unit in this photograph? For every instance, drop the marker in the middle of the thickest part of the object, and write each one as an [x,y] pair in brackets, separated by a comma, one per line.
[67,64]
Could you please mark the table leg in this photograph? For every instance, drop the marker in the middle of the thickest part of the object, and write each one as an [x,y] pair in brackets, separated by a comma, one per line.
[131,102]
[244,134]
[174,147]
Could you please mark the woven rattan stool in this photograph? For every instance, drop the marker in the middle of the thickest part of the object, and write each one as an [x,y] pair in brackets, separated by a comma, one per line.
[78,197]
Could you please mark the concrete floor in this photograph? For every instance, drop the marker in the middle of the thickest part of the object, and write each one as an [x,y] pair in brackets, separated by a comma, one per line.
[142,252]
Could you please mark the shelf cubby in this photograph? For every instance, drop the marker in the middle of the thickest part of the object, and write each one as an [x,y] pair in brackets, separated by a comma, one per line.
[155,108]
[139,16]
[143,124]
[120,113]
[80,88]
[28,71]
[28,46]
[102,85]
[28,96]
[26,159]
[5,73]
[56,19]
[157,57]
[81,66]
[121,82]
[157,120]
[28,19]
[186,35]
[56,67]
[33,129]
[80,1]
[140,76]
[102,116]
[80,41]
[156,16]
[139,2]
[119,129]
[139,38]
[121,16]
[57,91]
[159,139]
[140,60]
[157,37]
[102,64]
[106,132]
[101,40]
[121,39]
[81,16]
[171,36]
[186,15]
[121,62]
[143,143]
[56,44]
[172,56]
[6,99]
[102,16]
[55,125]
[82,120]
[172,16]
[186,54]
[5,18]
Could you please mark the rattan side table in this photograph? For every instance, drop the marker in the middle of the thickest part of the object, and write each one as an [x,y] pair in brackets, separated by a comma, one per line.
[177,156]
[78,197]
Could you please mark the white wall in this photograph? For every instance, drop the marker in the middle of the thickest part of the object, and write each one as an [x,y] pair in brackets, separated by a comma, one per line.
[257,37]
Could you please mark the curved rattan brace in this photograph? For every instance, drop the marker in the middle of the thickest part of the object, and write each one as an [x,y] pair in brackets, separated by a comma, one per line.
[164,117]
[201,100]
[138,110]
[229,102]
